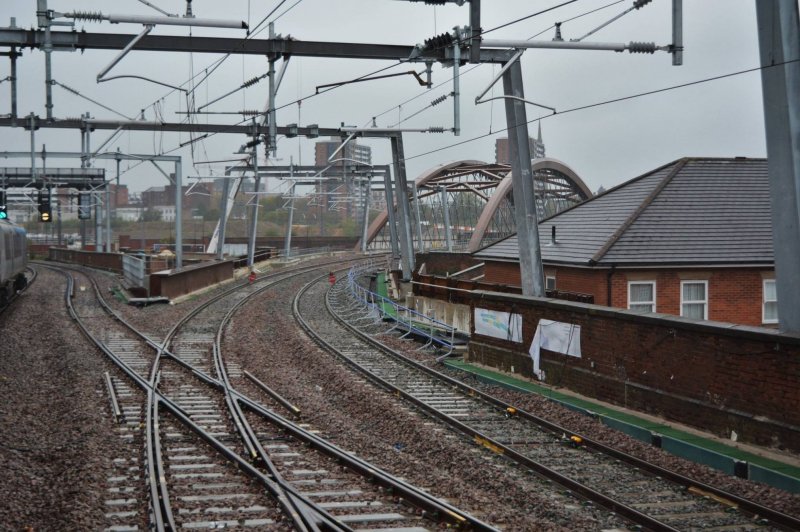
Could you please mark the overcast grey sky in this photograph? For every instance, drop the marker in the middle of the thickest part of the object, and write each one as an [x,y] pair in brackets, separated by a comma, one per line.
[605,145]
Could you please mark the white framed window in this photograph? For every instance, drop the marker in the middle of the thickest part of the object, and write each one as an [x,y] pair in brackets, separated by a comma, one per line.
[550,283]
[770,299]
[694,299]
[642,295]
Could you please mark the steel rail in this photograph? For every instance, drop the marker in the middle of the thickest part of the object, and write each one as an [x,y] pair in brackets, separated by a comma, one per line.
[293,505]
[305,513]
[421,499]
[159,512]
[431,506]
[112,394]
[155,463]
[157,398]
[628,512]
[480,438]
[745,504]
[774,516]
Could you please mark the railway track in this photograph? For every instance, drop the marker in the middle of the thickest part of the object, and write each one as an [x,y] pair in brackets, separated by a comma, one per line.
[216,458]
[646,495]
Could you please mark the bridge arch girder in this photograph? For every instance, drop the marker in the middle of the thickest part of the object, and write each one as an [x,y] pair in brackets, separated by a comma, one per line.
[504,192]
[490,183]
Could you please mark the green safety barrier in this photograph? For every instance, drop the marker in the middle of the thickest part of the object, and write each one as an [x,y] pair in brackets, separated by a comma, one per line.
[712,453]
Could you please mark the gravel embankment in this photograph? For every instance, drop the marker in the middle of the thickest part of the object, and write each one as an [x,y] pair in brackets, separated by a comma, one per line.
[359,418]
[57,439]
[578,423]
[56,432]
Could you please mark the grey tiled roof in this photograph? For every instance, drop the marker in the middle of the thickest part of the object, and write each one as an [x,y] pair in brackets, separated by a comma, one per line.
[691,211]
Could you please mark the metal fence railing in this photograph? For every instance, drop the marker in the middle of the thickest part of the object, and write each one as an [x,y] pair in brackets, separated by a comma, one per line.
[381,308]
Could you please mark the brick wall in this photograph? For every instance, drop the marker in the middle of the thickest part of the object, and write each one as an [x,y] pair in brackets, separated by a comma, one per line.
[502,273]
[443,263]
[733,295]
[582,280]
[716,377]
[175,283]
[104,261]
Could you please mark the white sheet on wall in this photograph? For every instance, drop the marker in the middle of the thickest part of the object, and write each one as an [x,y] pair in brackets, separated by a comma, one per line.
[557,336]
[498,324]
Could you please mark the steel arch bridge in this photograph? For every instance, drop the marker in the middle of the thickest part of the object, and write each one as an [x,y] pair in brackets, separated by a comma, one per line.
[479,202]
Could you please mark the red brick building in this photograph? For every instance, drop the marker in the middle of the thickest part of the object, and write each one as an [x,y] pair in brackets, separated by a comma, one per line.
[194,196]
[692,238]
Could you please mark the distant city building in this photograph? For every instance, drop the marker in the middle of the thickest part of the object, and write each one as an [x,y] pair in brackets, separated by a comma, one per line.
[167,212]
[118,194]
[158,196]
[197,196]
[352,154]
[248,185]
[503,156]
[128,214]
[353,150]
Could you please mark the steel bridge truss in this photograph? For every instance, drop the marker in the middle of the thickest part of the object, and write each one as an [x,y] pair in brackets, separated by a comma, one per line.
[465,205]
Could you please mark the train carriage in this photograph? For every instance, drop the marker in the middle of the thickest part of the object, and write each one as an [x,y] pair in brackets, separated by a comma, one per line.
[13,260]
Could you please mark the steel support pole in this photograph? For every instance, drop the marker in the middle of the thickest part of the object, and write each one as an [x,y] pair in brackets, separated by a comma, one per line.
[109,236]
[178,216]
[251,245]
[475,31]
[98,222]
[47,47]
[677,32]
[390,209]
[365,226]
[288,246]
[779,43]
[446,208]
[108,217]
[456,83]
[417,217]
[273,126]
[58,220]
[96,198]
[13,57]
[223,217]
[530,259]
[404,210]
[48,68]
[33,147]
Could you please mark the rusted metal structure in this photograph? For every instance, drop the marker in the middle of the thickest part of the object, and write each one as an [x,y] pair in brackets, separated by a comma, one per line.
[465,205]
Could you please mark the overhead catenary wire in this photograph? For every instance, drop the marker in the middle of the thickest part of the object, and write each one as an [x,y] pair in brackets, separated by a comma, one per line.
[78,94]
[447,81]
[403,61]
[611,101]
[434,103]
[526,17]
[579,108]
[215,64]
[299,101]
[256,30]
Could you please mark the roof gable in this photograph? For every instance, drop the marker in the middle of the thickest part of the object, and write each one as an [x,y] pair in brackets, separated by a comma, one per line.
[688,211]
